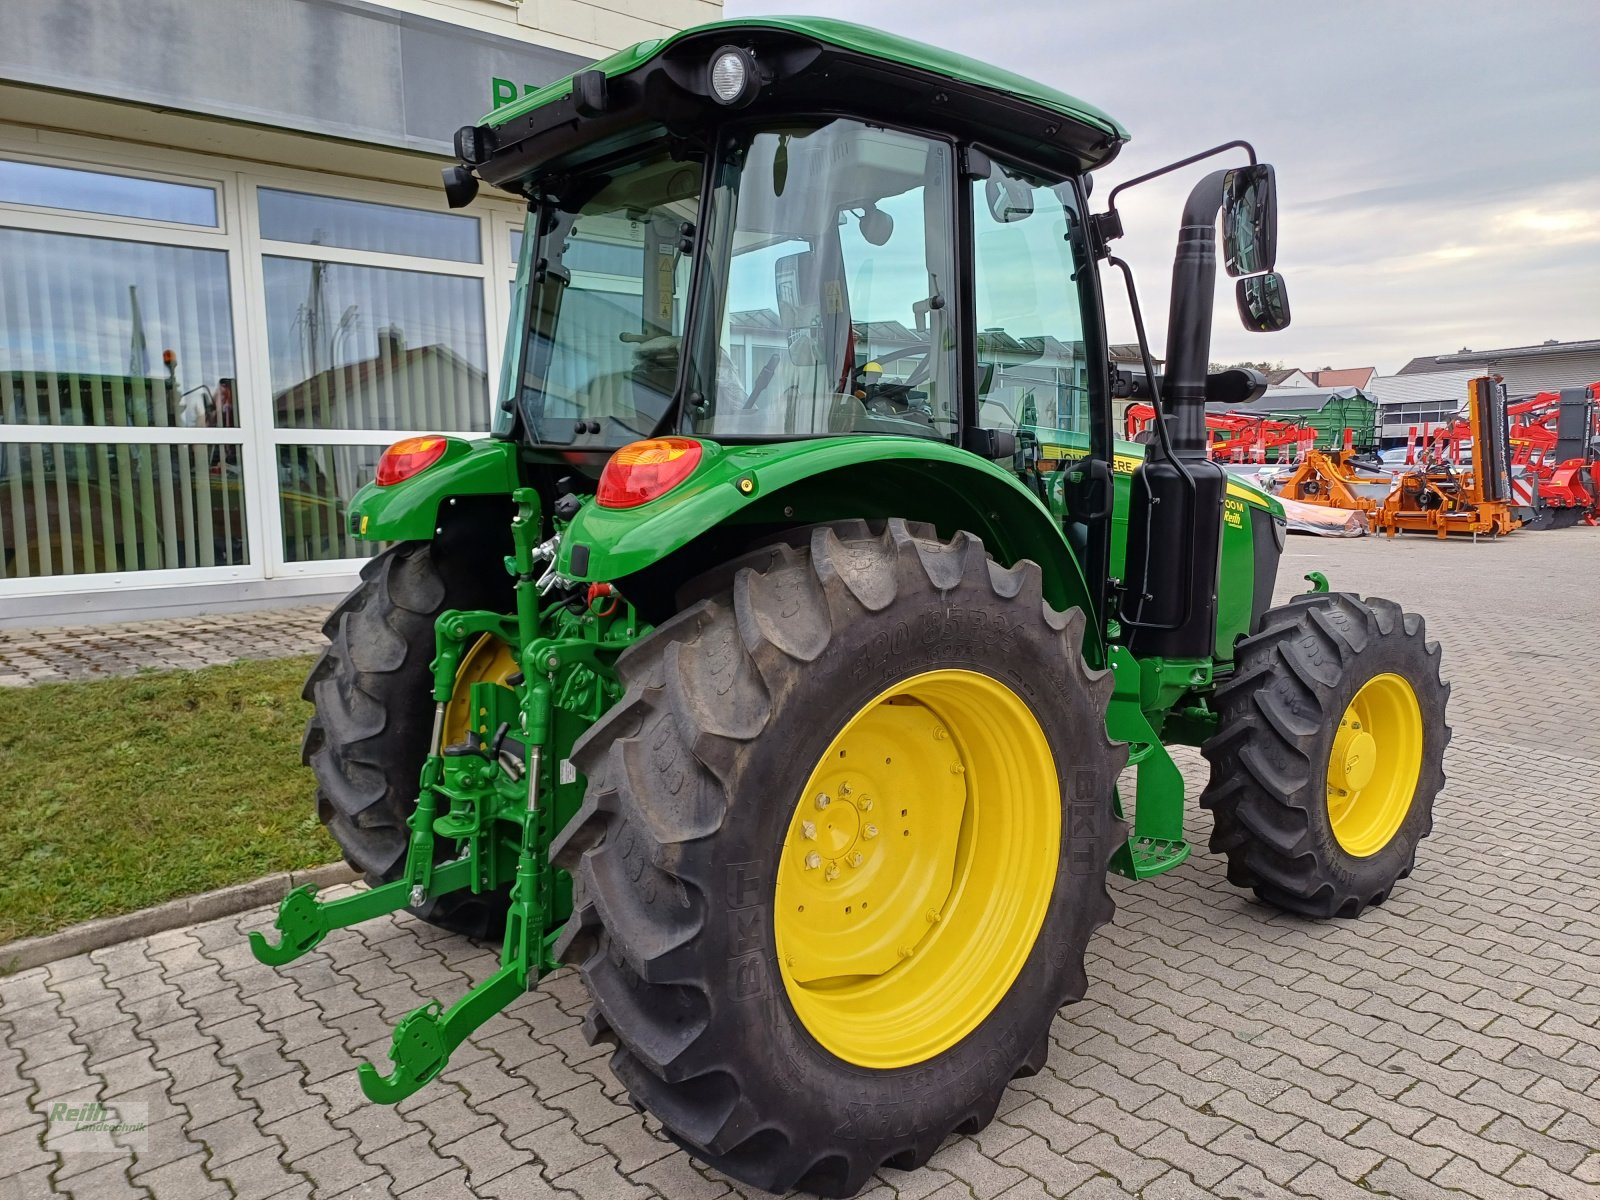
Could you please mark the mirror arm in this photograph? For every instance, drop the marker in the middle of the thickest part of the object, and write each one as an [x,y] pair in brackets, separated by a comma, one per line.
[1111,200]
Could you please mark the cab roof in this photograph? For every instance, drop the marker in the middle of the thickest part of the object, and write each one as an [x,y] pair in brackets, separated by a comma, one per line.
[817,63]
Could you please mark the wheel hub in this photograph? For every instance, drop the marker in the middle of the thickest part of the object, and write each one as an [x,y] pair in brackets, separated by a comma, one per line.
[1355,756]
[874,841]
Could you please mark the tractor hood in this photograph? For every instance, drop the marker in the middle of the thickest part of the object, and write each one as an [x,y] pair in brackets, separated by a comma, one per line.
[803,66]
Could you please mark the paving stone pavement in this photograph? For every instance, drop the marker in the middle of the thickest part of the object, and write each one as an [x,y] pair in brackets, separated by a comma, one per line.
[65,652]
[1442,1046]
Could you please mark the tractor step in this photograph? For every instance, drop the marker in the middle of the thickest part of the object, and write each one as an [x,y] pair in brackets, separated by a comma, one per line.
[1152,856]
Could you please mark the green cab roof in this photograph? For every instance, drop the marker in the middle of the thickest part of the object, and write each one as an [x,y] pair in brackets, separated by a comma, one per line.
[846,36]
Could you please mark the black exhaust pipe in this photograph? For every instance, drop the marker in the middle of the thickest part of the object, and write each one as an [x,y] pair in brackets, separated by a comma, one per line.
[1175,516]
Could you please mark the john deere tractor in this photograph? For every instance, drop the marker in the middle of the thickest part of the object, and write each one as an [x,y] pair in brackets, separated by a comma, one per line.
[801,650]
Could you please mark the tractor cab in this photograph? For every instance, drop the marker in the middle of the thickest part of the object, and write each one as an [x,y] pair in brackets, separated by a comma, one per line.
[741,261]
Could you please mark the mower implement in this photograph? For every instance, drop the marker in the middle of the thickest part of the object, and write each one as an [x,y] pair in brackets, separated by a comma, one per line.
[802,649]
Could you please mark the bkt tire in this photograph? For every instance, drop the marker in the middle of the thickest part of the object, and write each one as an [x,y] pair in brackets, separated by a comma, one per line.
[373,694]
[1328,754]
[843,844]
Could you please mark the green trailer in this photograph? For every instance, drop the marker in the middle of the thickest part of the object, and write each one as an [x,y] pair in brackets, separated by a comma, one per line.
[798,681]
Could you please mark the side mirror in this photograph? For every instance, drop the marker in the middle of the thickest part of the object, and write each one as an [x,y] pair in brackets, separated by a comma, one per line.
[1250,220]
[1263,303]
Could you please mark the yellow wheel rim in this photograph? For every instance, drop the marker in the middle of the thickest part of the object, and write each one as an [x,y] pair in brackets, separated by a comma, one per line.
[1374,765]
[917,868]
[488,661]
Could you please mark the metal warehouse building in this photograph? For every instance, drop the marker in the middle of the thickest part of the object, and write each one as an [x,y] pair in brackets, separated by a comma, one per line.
[1547,367]
[228,278]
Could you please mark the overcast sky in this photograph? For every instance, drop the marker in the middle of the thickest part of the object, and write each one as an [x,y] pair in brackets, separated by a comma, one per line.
[1438,160]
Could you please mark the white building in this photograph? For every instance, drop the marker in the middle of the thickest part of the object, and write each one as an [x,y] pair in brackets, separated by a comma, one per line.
[1416,401]
[228,278]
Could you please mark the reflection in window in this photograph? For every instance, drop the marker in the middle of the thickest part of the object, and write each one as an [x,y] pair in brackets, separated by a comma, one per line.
[375,348]
[95,331]
[73,508]
[837,314]
[363,225]
[1034,370]
[314,485]
[102,192]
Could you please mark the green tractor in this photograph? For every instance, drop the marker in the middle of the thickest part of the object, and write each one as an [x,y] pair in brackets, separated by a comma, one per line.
[801,650]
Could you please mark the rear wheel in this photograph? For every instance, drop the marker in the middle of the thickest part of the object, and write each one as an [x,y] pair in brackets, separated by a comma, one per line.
[373,695]
[843,845]
[1328,753]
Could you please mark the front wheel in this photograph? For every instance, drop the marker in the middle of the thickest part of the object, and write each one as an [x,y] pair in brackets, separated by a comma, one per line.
[844,843]
[1328,754]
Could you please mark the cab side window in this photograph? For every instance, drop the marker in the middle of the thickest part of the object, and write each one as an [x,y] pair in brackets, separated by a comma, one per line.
[1033,370]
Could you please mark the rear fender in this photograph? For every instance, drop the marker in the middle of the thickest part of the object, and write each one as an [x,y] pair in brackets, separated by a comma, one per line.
[409,510]
[738,490]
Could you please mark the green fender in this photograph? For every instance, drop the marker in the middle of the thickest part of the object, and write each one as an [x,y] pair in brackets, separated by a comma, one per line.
[830,479]
[409,510]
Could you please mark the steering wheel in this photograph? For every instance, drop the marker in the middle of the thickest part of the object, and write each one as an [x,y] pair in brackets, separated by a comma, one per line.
[900,393]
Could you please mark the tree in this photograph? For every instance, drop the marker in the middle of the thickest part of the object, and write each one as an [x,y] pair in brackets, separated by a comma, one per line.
[1255,366]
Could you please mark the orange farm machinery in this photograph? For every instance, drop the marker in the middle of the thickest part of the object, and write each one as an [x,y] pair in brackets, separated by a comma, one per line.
[1440,494]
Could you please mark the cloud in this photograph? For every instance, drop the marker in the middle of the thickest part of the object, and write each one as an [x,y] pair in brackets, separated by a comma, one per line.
[1438,160]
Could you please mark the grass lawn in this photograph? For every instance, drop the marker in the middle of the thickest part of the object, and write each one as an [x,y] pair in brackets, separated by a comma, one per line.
[122,793]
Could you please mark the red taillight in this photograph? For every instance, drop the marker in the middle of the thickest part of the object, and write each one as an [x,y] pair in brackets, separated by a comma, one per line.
[641,471]
[406,458]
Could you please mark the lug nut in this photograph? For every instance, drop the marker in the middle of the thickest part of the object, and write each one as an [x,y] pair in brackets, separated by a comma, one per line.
[856,859]
[832,872]
[844,790]
[957,769]
[823,800]
[940,733]
[864,804]
[905,951]
[813,861]
[869,831]
[808,829]
[933,917]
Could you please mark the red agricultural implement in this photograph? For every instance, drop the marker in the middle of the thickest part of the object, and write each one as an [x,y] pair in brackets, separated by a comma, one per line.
[1234,437]
[1555,445]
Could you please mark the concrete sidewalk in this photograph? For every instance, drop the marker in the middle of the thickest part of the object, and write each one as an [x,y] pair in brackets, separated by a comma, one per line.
[65,652]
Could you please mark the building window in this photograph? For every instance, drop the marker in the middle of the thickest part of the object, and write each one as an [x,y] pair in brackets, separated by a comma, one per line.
[105,332]
[313,484]
[126,349]
[73,508]
[363,225]
[44,186]
[375,348]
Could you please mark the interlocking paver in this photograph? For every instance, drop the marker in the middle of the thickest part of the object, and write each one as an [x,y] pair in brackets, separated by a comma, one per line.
[1445,1045]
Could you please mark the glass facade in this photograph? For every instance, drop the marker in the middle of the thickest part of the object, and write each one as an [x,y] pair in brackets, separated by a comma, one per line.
[76,508]
[195,377]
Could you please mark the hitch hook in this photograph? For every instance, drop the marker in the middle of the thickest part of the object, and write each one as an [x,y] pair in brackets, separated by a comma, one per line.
[300,924]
